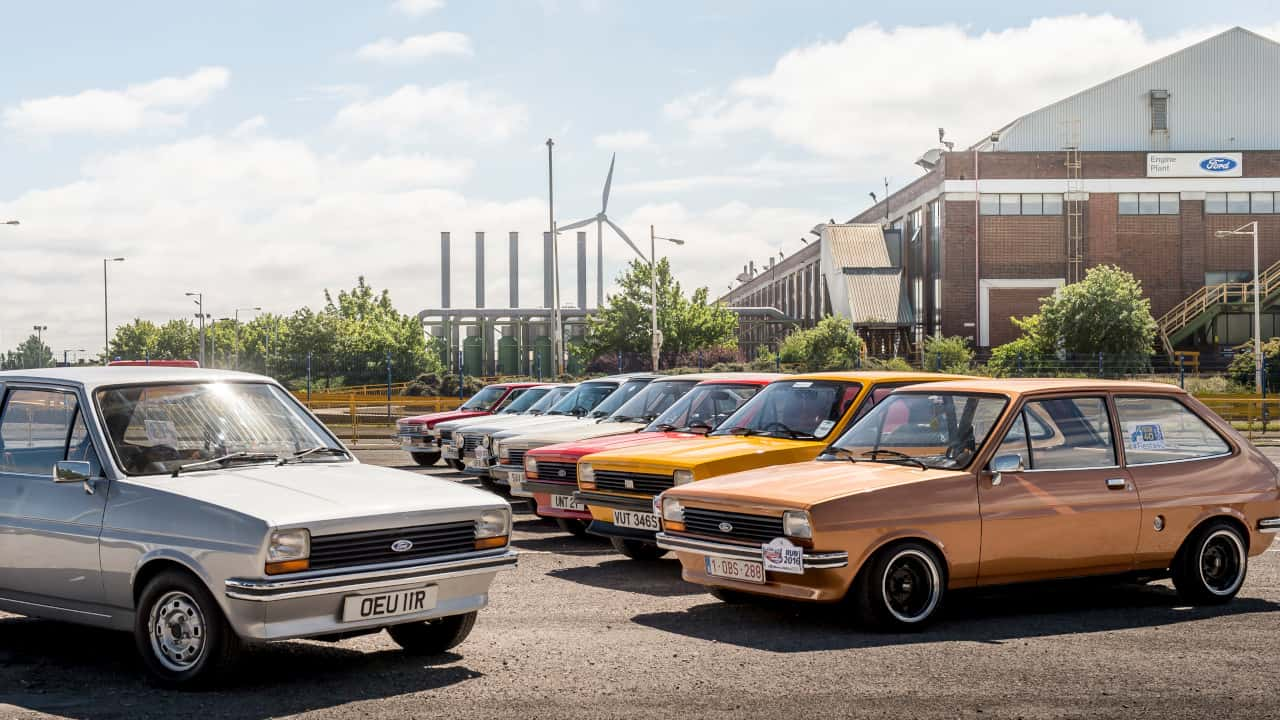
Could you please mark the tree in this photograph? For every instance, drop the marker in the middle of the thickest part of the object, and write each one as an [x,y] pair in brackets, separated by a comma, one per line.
[947,354]
[1104,313]
[687,323]
[832,344]
[143,339]
[31,353]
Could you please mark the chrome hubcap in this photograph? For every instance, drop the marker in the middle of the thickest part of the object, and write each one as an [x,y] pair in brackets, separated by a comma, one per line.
[912,586]
[177,631]
[1222,562]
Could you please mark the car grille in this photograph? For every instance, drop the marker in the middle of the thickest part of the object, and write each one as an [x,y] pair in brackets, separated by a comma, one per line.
[469,442]
[550,472]
[374,546]
[516,457]
[645,483]
[745,528]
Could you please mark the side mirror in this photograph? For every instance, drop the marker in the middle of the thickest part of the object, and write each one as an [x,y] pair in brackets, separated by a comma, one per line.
[1005,463]
[74,471]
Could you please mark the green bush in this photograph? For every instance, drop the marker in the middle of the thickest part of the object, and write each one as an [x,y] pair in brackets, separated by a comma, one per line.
[893,364]
[947,354]
[832,344]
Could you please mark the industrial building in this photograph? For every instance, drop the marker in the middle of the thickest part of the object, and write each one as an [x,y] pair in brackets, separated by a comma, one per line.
[1139,171]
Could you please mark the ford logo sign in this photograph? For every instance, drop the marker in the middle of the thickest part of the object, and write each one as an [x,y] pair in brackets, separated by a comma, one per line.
[561,473]
[725,527]
[1218,164]
[402,546]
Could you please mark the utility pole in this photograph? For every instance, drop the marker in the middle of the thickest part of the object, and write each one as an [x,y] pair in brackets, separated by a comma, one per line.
[655,333]
[557,331]
[199,296]
[106,332]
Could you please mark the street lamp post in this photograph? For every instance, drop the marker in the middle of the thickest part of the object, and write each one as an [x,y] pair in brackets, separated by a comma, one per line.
[39,330]
[557,328]
[199,300]
[106,333]
[11,222]
[656,334]
[1252,232]
[236,356]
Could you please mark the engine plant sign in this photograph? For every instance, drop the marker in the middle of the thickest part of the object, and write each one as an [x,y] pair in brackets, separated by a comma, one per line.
[1226,164]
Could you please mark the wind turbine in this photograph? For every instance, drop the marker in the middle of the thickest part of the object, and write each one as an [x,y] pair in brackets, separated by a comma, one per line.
[601,219]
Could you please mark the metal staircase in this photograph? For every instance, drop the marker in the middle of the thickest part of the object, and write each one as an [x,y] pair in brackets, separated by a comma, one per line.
[1210,301]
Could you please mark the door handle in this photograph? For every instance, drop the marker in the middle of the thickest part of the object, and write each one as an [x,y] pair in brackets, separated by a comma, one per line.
[1117,483]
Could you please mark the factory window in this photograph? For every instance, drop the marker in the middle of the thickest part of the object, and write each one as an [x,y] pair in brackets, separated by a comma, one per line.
[1215,203]
[1262,202]
[1218,277]
[1259,203]
[1148,203]
[1159,110]
[1015,204]
[1238,203]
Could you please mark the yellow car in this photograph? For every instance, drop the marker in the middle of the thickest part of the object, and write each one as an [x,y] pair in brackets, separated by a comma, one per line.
[791,420]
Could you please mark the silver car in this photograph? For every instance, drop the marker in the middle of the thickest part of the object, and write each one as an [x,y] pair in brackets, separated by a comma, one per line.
[202,510]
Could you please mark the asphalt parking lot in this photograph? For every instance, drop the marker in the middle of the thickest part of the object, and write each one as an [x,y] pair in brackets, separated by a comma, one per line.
[579,632]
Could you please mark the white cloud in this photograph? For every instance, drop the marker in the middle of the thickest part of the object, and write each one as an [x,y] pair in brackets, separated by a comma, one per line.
[416,47]
[624,140]
[415,112]
[882,92]
[156,104]
[416,8]
[249,127]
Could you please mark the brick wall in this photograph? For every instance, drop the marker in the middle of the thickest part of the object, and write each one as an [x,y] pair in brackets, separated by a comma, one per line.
[958,290]
[1149,246]
[1023,246]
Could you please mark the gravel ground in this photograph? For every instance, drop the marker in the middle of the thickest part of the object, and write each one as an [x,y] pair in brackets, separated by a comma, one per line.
[578,632]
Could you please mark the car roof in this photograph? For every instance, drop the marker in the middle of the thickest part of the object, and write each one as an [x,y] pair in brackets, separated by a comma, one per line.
[748,378]
[1022,386]
[876,376]
[514,385]
[93,377]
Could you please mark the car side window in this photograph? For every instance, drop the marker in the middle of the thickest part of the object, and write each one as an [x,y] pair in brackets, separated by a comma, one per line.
[1061,434]
[1157,429]
[34,428]
[1015,441]
[80,445]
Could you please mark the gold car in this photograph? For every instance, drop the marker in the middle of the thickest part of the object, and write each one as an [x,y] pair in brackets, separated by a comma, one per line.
[791,420]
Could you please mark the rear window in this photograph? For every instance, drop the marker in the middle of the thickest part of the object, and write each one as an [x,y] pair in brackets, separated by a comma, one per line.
[1157,429]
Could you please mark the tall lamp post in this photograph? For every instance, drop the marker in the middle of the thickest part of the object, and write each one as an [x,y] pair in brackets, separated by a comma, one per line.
[106,333]
[1251,229]
[236,356]
[39,330]
[557,328]
[199,300]
[656,343]
[11,222]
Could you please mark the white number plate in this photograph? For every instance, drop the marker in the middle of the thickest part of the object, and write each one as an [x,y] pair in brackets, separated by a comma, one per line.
[515,477]
[636,520]
[391,604]
[743,570]
[476,463]
[449,452]
[566,502]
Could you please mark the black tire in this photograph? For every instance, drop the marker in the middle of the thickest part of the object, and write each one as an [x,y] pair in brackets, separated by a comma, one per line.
[576,528]
[1210,567]
[457,465]
[426,459]
[433,637]
[488,483]
[901,588]
[196,645]
[637,549]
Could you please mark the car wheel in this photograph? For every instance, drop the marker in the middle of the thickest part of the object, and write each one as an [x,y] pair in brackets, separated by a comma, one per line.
[426,459]
[488,483]
[576,528]
[457,465]
[901,588]
[637,549]
[180,632]
[1211,566]
[433,636]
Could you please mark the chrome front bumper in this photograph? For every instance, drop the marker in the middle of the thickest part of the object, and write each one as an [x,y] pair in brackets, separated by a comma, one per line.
[812,560]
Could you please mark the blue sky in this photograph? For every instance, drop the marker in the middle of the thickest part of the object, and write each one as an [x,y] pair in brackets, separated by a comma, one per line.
[263,151]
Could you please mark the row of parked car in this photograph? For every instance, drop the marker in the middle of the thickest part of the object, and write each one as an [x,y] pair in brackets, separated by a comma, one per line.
[206,510]
[882,489]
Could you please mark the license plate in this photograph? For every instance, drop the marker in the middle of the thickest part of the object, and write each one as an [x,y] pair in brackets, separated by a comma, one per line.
[476,463]
[742,570]
[413,442]
[449,452]
[636,520]
[390,604]
[566,502]
[515,477]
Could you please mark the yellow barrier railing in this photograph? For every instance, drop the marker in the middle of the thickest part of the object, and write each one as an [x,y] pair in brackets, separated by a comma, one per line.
[354,417]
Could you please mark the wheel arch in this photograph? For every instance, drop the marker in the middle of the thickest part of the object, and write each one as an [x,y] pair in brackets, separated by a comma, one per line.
[1227,515]
[898,538]
[154,564]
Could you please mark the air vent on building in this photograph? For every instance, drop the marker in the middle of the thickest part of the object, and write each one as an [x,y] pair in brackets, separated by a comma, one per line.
[1159,110]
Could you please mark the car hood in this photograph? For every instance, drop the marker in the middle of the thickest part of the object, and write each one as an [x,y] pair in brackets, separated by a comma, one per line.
[433,419]
[710,457]
[497,424]
[308,492]
[805,484]
[540,437]
[547,424]
[578,448]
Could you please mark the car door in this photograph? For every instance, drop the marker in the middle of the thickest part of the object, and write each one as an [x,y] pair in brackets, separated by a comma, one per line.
[1073,510]
[48,531]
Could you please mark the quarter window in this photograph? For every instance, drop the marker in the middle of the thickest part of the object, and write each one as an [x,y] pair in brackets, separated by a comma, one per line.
[1162,430]
[34,430]
[1065,434]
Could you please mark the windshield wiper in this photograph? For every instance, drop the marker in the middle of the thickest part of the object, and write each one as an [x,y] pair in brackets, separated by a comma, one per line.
[791,432]
[895,454]
[296,457]
[743,431]
[223,460]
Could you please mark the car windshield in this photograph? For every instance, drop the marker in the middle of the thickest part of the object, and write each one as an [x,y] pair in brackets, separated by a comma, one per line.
[524,399]
[583,398]
[550,400]
[155,429]
[484,400]
[795,409]
[650,402]
[936,430]
[625,393]
[703,408]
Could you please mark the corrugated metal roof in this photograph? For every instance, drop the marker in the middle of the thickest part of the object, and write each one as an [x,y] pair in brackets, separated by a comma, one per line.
[877,296]
[1222,96]
[858,246]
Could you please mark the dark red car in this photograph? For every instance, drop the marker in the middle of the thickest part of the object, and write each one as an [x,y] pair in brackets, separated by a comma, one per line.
[551,472]
[418,436]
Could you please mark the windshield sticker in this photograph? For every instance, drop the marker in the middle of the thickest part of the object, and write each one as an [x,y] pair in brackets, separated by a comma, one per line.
[162,432]
[1146,436]
[823,428]
[802,384]
[780,555]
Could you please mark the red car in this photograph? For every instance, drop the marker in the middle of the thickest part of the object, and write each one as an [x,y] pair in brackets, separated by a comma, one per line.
[417,434]
[551,472]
